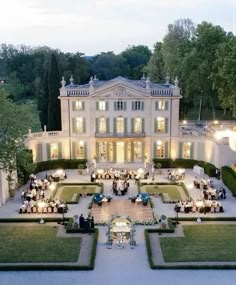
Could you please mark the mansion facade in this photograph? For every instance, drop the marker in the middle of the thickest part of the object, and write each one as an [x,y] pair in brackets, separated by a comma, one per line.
[125,121]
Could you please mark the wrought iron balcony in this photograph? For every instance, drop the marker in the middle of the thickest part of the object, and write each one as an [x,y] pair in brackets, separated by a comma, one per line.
[120,135]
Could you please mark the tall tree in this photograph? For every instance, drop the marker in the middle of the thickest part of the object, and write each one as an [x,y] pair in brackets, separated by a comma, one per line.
[54,110]
[176,43]
[77,65]
[15,120]
[155,67]
[108,65]
[136,58]
[198,65]
[224,74]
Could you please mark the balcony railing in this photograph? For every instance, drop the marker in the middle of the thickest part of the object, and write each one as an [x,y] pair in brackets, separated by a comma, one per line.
[120,135]
[44,134]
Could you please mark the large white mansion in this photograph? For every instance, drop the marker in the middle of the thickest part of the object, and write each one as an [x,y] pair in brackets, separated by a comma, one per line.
[128,121]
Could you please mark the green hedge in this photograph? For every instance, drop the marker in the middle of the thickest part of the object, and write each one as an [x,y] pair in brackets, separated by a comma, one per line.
[209,168]
[100,184]
[60,163]
[165,162]
[32,220]
[229,178]
[165,183]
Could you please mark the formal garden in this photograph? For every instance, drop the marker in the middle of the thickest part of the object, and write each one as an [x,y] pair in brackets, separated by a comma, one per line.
[71,192]
[171,242]
[169,193]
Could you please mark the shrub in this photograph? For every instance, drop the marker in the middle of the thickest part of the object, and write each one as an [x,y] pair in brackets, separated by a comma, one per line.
[209,168]
[165,163]
[229,178]
[60,163]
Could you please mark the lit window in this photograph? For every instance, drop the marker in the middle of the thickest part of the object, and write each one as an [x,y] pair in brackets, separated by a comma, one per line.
[161,105]
[54,153]
[80,150]
[78,105]
[120,125]
[103,151]
[102,125]
[102,106]
[160,150]
[137,125]
[79,125]
[187,150]
[137,150]
[160,125]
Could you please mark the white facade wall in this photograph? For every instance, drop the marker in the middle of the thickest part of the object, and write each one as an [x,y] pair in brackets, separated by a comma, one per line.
[203,148]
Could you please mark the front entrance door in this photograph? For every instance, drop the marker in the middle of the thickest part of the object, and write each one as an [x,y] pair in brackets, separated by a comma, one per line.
[120,152]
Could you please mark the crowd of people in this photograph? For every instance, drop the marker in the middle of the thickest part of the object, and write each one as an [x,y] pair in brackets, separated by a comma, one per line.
[176,174]
[208,191]
[120,187]
[33,199]
[86,223]
[209,198]
[200,206]
[118,174]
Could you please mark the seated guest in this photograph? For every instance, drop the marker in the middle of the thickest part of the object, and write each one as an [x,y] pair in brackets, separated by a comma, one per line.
[23,208]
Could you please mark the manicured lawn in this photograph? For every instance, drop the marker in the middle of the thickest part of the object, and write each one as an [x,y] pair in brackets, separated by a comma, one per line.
[171,190]
[201,243]
[36,244]
[68,191]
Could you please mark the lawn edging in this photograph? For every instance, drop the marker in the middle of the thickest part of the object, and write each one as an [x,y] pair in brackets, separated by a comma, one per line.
[207,265]
[163,198]
[25,266]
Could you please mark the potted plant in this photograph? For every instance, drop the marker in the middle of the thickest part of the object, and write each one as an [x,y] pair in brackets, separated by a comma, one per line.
[163,221]
[158,167]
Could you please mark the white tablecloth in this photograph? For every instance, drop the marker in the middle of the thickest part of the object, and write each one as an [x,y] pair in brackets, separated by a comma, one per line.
[198,170]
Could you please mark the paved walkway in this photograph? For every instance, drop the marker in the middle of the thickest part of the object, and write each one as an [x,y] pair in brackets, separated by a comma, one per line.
[11,208]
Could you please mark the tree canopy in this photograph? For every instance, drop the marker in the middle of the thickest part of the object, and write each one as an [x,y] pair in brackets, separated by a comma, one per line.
[202,56]
[15,120]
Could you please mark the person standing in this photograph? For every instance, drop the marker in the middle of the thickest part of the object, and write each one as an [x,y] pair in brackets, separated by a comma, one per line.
[81,221]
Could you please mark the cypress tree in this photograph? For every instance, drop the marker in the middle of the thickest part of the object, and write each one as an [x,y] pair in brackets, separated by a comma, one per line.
[54,109]
[43,100]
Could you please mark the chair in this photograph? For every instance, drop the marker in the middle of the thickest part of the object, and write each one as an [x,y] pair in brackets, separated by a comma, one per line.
[182,209]
[49,209]
[194,209]
[145,198]
[97,198]
[34,210]
[55,210]
[28,210]
[45,210]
